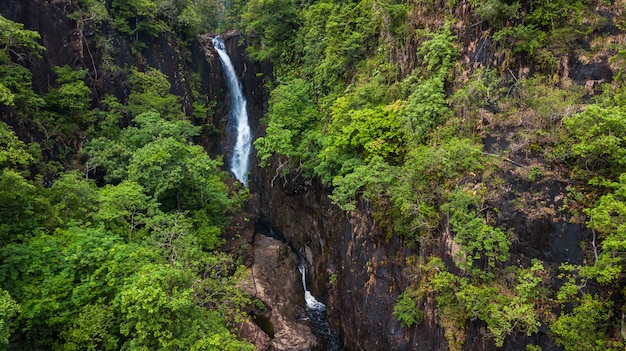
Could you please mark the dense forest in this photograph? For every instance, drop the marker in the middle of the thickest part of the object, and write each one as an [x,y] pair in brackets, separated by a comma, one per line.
[110,214]
[441,119]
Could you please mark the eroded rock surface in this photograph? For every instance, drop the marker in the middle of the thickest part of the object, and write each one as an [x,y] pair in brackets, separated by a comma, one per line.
[274,279]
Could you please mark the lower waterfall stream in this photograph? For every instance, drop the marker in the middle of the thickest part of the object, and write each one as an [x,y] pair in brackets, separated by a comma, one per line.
[316,311]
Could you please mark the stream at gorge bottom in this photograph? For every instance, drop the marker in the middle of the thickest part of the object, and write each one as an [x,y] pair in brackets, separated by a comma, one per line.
[316,312]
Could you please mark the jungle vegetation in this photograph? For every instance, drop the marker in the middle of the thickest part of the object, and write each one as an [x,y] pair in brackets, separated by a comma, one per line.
[113,244]
[108,228]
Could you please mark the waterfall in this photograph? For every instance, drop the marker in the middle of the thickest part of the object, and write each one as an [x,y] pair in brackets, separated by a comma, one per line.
[311,302]
[238,114]
[316,311]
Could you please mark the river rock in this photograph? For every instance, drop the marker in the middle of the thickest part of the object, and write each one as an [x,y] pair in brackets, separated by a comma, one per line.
[275,280]
[255,335]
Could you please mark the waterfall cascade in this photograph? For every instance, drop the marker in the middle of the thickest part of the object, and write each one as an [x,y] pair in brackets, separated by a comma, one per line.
[316,311]
[238,115]
[311,302]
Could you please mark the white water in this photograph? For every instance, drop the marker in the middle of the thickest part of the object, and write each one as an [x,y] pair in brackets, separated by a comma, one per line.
[238,114]
[311,302]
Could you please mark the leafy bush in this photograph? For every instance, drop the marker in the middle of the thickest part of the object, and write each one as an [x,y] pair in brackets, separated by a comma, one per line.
[406,310]
[291,123]
[271,26]
[597,140]
[496,12]
[504,308]
[583,328]
[480,240]
[424,179]
[9,310]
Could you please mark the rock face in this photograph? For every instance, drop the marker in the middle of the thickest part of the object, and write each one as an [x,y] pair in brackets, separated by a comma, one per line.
[358,273]
[355,271]
[275,281]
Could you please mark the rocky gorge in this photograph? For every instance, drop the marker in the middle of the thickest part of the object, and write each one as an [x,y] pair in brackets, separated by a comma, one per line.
[357,270]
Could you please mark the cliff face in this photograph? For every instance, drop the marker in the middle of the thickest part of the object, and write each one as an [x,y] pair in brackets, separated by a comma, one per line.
[355,271]
[359,274]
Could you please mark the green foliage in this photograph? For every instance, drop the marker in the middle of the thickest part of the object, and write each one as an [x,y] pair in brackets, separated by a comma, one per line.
[271,25]
[180,176]
[425,110]
[427,174]
[9,310]
[438,52]
[451,313]
[6,96]
[134,16]
[608,218]
[158,313]
[114,155]
[61,117]
[503,314]
[193,17]
[373,132]
[24,209]
[86,288]
[496,12]
[13,151]
[334,38]
[524,39]
[124,208]
[548,30]
[160,169]
[504,308]
[74,198]
[91,330]
[360,134]
[479,240]
[290,119]
[597,140]
[84,265]
[109,116]
[13,37]
[556,13]
[371,180]
[480,90]
[18,80]
[583,328]
[406,310]
[586,314]
[427,107]
[91,11]
[187,18]
[151,92]
[68,112]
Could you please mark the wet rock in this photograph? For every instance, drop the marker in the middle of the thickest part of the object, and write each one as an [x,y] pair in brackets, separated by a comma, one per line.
[275,280]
